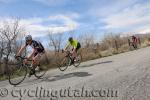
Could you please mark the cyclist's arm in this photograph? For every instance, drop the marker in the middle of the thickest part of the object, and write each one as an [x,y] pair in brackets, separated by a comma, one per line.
[21,50]
[68,44]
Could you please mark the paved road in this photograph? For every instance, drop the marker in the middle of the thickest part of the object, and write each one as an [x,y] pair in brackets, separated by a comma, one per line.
[121,77]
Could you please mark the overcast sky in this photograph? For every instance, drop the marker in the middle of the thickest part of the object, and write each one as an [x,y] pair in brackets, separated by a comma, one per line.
[97,16]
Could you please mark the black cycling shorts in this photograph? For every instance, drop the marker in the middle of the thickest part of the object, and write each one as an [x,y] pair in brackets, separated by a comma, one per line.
[37,52]
[78,46]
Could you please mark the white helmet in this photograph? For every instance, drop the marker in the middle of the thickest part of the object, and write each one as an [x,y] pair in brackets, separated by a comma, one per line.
[28,37]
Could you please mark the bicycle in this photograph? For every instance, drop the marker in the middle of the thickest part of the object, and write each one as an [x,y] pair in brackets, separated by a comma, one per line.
[68,61]
[132,45]
[17,72]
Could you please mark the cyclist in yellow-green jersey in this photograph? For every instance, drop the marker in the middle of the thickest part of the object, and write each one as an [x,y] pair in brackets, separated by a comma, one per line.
[76,46]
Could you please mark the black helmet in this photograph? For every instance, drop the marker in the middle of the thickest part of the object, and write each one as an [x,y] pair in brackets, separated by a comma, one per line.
[28,37]
[70,39]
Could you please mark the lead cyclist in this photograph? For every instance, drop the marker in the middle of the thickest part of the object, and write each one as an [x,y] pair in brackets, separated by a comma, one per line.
[38,51]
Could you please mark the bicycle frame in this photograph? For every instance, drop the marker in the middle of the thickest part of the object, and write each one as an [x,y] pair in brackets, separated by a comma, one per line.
[69,55]
[22,61]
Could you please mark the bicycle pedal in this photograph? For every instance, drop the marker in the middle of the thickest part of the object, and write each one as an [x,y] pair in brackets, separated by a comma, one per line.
[32,72]
[37,68]
[30,75]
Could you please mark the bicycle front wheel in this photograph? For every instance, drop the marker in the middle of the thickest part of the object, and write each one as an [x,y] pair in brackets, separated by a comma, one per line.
[64,64]
[17,74]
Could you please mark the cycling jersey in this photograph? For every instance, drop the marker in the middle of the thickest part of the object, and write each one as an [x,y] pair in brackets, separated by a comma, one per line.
[36,45]
[74,43]
[134,39]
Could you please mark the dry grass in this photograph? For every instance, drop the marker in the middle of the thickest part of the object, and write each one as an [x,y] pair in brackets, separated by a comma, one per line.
[145,43]
[107,47]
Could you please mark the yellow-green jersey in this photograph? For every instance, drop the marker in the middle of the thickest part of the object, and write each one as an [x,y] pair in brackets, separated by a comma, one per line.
[74,43]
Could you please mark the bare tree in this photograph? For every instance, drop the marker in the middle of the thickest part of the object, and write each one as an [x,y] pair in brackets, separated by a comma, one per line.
[86,39]
[8,34]
[1,47]
[55,41]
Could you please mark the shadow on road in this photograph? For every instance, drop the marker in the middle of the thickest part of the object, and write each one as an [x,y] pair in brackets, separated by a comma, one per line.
[90,65]
[65,76]
[29,82]
[55,78]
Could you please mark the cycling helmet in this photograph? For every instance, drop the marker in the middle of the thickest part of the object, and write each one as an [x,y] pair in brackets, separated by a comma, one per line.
[28,37]
[70,39]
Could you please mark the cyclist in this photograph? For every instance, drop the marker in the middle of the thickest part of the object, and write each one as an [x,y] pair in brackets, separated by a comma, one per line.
[76,46]
[134,39]
[38,51]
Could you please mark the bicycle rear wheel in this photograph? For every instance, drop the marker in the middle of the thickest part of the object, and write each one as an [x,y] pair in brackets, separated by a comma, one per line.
[40,72]
[17,74]
[64,64]
[78,60]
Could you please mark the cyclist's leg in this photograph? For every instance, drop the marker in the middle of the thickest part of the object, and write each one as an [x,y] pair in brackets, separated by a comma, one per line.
[36,59]
[32,71]
[35,63]
[134,45]
[76,50]
[74,54]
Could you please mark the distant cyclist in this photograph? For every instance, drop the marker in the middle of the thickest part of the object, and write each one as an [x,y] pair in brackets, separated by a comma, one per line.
[134,39]
[76,46]
[38,51]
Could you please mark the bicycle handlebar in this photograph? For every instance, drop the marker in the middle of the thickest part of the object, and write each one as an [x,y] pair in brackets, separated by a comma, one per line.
[22,57]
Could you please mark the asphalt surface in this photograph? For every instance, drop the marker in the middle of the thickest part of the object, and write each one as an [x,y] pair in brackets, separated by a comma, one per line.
[124,76]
